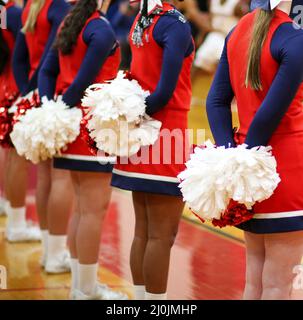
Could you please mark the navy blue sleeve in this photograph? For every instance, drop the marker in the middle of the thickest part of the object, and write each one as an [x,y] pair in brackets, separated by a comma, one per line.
[56,13]
[14,19]
[21,64]
[48,74]
[100,39]
[174,36]
[218,103]
[286,48]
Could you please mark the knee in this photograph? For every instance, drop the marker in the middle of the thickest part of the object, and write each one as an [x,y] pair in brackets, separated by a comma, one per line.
[166,240]
[252,291]
[276,289]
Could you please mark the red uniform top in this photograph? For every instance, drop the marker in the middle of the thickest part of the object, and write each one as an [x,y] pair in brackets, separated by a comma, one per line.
[7,80]
[147,64]
[37,40]
[248,100]
[71,63]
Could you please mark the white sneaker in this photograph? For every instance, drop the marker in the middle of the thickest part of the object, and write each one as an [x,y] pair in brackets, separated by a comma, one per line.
[26,234]
[60,264]
[102,292]
[3,203]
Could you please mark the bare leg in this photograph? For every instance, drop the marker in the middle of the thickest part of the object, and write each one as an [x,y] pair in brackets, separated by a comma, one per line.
[17,180]
[283,251]
[17,229]
[75,219]
[42,191]
[60,202]
[3,174]
[164,213]
[93,193]
[59,207]
[255,255]
[140,238]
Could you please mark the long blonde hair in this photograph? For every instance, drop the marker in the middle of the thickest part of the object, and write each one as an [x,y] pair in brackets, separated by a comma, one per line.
[31,20]
[259,34]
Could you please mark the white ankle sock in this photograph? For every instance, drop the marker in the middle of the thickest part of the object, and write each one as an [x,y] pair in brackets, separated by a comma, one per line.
[139,291]
[16,217]
[56,246]
[44,241]
[153,296]
[75,274]
[88,275]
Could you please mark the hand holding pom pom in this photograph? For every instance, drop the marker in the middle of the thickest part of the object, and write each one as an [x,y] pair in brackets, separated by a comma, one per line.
[118,123]
[222,185]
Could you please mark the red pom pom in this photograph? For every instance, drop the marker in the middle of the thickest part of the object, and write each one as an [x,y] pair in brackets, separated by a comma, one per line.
[26,104]
[128,75]
[84,133]
[234,214]
[6,118]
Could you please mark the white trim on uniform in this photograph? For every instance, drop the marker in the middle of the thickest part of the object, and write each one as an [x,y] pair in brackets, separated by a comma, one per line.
[277,215]
[145,176]
[88,158]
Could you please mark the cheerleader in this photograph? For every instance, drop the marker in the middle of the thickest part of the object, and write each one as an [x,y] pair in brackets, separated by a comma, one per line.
[8,87]
[85,52]
[162,54]
[261,67]
[40,21]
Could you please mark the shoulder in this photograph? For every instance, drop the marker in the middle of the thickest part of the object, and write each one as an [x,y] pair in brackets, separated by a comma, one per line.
[287,45]
[13,16]
[287,39]
[174,21]
[98,28]
[99,23]
[14,12]
[288,31]
[59,3]
[58,8]
[174,17]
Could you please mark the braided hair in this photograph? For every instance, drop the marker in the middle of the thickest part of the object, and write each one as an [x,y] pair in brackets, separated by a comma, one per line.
[73,24]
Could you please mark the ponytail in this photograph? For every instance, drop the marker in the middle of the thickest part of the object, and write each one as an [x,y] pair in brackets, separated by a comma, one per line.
[73,24]
[31,20]
[260,30]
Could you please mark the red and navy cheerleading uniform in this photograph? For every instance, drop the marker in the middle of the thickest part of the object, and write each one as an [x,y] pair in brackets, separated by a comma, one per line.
[161,64]
[95,58]
[31,48]
[8,85]
[272,116]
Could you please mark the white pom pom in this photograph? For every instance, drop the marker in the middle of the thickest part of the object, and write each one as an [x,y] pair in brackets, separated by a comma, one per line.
[214,175]
[118,121]
[118,137]
[119,97]
[42,132]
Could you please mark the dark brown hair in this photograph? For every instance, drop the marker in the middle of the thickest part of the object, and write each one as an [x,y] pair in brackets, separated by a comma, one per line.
[73,24]
[259,34]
